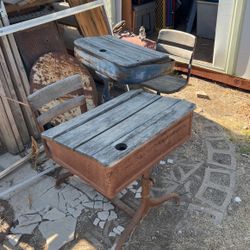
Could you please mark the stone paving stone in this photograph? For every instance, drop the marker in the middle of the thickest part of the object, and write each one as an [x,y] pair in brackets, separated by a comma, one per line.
[102,224]
[112,216]
[53,214]
[96,221]
[120,228]
[103,215]
[108,206]
[211,151]
[13,239]
[112,234]
[98,205]
[28,219]
[23,229]
[207,183]
[58,233]
[88,204]
[138,195]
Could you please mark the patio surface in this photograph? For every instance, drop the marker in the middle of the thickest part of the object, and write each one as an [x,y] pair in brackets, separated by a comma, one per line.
[211,172]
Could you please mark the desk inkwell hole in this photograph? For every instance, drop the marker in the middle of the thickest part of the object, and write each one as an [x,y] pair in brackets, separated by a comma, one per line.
[121,146]
[102,50]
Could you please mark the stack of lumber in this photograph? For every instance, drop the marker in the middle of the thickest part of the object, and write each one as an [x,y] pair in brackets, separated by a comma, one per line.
[93,22]
[16,121]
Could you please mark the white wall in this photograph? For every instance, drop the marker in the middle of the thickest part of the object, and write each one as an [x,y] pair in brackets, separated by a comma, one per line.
[243,61]
[222,33]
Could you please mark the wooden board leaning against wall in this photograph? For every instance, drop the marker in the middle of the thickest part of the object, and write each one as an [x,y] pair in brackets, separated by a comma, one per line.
[93,22]
[16,123]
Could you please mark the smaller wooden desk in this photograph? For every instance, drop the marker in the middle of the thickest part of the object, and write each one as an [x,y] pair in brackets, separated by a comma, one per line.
[121,61]
[121,140]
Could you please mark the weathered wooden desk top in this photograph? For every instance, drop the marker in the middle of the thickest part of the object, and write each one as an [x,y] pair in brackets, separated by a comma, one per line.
[111,145]
[121,60]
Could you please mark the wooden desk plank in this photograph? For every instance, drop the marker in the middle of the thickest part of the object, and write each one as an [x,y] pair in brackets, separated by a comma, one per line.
[110,155]
[114,50]
[111,135]
[129,51]
[105,51]
[97,125]
[83,118]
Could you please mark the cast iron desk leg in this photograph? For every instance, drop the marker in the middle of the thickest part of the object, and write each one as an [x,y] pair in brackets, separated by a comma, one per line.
[146,203]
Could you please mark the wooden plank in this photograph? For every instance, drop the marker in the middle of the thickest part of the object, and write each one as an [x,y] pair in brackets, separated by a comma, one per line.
[127,13]
[153,53]
[113,49]
[19,79]
[15,109]
[92,22]
[138,137]
[98,125]
[81,119]
[60,109]
[106,51]
[8,128]
[122,48]
[55,90]
[229,80]
[98,143]
[48,18]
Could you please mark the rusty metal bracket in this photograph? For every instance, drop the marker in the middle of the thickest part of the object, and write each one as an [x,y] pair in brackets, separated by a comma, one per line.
[146,204]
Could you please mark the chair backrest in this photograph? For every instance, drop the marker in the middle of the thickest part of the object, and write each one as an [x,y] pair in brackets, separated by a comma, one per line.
[176,43]
[52,92]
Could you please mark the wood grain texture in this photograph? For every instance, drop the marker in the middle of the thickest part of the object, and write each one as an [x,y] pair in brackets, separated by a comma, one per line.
[60,109]
[55,90]
[9,133]
[127,10]
[15,109]
[147,131]
[101,123]
[150,133]
[110,181]
[118,51]
[157,108]
[78,121]
[19,77]
[93,22]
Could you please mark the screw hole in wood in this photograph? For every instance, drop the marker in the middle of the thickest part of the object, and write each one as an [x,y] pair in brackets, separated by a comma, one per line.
[121,146]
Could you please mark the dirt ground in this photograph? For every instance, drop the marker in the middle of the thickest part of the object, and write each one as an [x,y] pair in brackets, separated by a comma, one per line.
[178,227]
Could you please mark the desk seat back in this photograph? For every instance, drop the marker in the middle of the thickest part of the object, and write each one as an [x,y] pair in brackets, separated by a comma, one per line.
[54,91]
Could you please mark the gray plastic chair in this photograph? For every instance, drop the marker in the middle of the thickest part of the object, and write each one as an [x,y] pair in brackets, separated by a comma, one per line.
[180,47]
